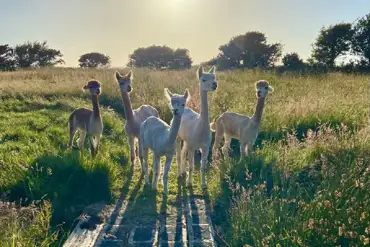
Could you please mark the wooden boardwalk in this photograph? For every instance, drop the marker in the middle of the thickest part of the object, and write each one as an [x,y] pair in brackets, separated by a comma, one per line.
[187,223]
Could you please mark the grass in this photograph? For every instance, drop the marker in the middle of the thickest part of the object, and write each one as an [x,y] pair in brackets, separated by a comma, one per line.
[306,184]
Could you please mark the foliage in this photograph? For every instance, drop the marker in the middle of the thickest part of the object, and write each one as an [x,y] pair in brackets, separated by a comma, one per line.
[160,57]
[249,51]
[362,38]
[37,54]
[332,42]
[7,60]
[94,60]
[292,61]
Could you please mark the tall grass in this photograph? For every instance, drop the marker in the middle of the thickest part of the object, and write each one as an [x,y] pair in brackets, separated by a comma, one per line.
[291,192]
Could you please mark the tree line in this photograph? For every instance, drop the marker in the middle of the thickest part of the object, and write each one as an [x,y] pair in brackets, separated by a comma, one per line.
[250,50]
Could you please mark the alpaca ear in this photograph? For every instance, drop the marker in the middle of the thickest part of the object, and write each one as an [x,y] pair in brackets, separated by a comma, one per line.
[118,75]
[168,94]
[129,75]
[200,71]
[187,95]
[271,89]
[212,70]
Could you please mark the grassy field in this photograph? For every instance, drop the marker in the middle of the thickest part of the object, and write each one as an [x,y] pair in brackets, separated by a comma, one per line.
[306,185]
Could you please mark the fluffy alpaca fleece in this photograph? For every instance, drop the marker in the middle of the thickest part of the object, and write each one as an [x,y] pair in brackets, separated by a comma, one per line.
[195,129]
[157,135]
[134,118]
[88,122]
[241,127]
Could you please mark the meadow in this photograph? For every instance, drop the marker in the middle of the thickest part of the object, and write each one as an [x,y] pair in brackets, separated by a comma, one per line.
[305,185]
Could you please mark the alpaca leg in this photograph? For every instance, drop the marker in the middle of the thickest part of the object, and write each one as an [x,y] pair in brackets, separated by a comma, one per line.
[92,146]
[216,144]
[144,154]
[203,165]
[156,165]
[81,140]
[166,169]
[97,143]
[226,146]
[248,149]
[72,132]
[131,142]
[191,167]
[184,151]
[178,157]
[243,146]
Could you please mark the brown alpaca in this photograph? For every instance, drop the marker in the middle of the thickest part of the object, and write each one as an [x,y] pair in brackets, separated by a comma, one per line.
[88,122]
[241,127]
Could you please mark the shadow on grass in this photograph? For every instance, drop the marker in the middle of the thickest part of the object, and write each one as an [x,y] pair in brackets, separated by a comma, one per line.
[69,185]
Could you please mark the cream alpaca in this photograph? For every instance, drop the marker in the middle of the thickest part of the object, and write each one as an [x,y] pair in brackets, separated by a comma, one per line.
[195,129]
[241,127]
[161,139]
[134,118]
[87,122]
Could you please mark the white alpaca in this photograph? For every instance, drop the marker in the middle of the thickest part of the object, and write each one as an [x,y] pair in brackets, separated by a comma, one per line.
[195,129]
[241,127]
[134,118]
[161,139]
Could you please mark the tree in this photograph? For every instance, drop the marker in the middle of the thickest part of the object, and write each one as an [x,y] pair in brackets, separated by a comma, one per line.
[250,51]
[94,60]
[361,40]
[332,42]
[292,61]
[158,57]
[37,54]
[7,59]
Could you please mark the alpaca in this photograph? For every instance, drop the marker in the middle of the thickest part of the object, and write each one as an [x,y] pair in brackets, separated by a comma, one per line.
[241,127]
[134,118]
[195,129]
[161,139]
[87,122]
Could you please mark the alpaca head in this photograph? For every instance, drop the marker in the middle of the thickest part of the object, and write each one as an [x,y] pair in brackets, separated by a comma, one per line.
[94,87]
[177,101]
[263,88]
[207,79]
[124,81]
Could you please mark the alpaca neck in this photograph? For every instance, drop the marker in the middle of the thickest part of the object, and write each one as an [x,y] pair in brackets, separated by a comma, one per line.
[95,103]
[174,130]
[257,116]
[204,106]
[129,113]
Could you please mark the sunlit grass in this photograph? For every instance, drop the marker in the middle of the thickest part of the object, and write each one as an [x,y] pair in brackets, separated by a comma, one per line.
[56,184]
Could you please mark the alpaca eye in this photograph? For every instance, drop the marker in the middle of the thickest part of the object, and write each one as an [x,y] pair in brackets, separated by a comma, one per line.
[204,80]
[182,104]
[266,87]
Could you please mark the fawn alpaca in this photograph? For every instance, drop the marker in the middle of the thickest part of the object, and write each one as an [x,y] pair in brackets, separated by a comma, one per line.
[88,122]
[134,118]
[195,129]
[161,138]
[241,127]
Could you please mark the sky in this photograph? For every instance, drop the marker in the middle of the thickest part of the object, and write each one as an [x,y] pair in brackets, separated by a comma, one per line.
[118,27]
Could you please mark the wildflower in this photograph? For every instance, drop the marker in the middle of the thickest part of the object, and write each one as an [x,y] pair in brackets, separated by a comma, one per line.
[338,194]
[349,220]
[363,216]
[327,203]
[367,230]
[340,231]
[311,223]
